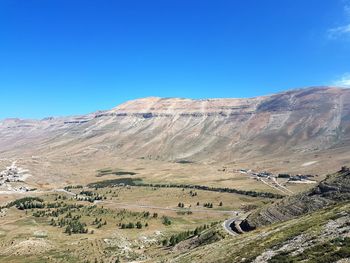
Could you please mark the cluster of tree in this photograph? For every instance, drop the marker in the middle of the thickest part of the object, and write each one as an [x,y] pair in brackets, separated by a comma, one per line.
[193,193]
[59,211]
[283,176]
[61,197]
[138,225]
[181,205]
[63,221]
[129,225]
[110,171]
[124,173]
[90,196]
[177,238]
[99,223]
[27,203]
[54,205]
[208,205]
[184,161]
[68,187]
[166,221]
[72,225]
[185,212]
[115,182]
[38,213]
[30,205]
[91,199]
[76,227]
[75,217]
[87,193]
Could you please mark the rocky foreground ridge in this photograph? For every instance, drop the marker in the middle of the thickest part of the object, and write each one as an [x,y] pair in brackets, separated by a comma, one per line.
[334,189]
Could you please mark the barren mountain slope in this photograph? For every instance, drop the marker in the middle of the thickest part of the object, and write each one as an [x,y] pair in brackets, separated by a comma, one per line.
[313,122]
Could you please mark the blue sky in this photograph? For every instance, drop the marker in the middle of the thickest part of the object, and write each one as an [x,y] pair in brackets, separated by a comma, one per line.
[64,57]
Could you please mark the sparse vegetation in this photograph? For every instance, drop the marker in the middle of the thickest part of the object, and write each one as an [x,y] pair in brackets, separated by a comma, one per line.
[208,205]
[175,239]
[166,221]
[69,187]
[184,161]
[138,182]
[74,227]
[71,217]
[115,182]
[215,189]
[327,252]
[27,203]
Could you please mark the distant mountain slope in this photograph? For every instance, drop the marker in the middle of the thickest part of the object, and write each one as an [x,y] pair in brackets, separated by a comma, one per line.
[284,125]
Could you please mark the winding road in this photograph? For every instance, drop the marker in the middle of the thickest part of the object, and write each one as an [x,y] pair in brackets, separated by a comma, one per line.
[227,225]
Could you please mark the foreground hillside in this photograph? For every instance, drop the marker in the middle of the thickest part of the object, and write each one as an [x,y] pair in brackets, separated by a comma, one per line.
[310,227]
[297,130]
[322,236]
[116,220]
[333,189]
[127,220]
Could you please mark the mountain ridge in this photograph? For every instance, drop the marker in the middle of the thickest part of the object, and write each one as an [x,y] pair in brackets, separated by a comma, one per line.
[157,98]
[279,127]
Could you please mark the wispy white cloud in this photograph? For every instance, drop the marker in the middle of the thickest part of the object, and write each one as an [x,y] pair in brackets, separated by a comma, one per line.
[343,81]
[347,7]
[347,10]
[341,30]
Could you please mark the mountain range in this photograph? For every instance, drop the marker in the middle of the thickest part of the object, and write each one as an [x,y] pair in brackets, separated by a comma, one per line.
[297,129]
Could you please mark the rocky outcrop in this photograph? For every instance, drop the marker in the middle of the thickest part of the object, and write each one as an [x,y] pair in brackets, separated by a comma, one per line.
[334,187]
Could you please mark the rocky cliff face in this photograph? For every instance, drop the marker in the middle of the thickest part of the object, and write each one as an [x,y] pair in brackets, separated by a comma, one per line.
[335,188]
[286,124]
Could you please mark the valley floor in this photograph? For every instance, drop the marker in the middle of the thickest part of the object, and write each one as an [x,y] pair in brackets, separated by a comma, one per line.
[151,211]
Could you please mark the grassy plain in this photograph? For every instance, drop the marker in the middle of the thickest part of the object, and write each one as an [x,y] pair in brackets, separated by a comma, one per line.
[25,237]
